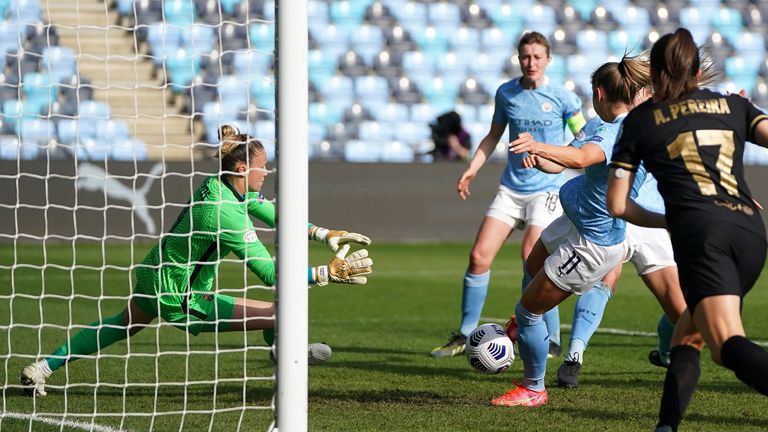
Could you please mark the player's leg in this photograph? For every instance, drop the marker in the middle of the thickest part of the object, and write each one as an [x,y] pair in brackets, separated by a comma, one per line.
[542,209]
[532,341]
[665,286]
[90,339]
[493,232]
[587,315]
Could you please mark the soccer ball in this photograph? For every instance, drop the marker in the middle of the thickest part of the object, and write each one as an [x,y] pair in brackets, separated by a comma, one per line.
[489,349]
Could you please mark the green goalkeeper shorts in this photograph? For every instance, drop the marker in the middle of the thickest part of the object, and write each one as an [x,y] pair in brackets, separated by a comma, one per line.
[208,312]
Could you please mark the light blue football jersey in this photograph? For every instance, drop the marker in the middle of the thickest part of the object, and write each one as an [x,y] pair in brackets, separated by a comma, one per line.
[649,197]
[543,113]
[583,197]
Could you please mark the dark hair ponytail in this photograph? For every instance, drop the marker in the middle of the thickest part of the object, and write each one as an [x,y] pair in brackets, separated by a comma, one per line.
[675,64]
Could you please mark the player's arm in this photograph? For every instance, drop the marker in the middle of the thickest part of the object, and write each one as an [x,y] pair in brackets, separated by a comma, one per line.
[261,208]
[621,205]
[567,156]
[483,153]
[575,122]
[543,165]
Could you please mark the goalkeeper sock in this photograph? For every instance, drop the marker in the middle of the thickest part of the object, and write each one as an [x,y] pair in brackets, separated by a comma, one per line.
[269,336]
[665,329]
[472,300]
[748,360]
[587,314]
[551,317]
[88,340]
[532,342]
[679,385]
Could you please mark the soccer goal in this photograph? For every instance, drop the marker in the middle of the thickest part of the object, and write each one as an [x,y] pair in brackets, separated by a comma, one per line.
[110,112]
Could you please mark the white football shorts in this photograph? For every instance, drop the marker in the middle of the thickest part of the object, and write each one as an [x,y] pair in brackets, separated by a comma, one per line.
[649,249]
[575,264]
[519,210]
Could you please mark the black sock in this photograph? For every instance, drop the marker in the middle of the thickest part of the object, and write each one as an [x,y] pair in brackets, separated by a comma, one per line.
[748,360]
[679,385]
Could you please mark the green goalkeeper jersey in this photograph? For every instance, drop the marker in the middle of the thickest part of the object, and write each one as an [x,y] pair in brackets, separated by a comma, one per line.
[215,223]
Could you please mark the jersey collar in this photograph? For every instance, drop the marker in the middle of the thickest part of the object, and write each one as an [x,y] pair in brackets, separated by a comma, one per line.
[226,182]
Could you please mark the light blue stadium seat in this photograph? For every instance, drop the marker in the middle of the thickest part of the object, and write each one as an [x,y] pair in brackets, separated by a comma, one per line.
[163,39]
[269,9]
[392,113]
[359,151]
[369,131]
[10,148]
[468,113]
[4,4]
[556,68]
[39,90]
[112,130]
[636,22]
[372,88]
[339,89]
[332,40]
[620,41]
[68,131]
[263,93]
[94,110]
[263,130]
[16,110]
[128,149]
[707,7]
[728,23]
[441,92]
[228,6]
[488,63]
[580,67]
[315,134]
[465,40]
[25,11]
[348,14]
[92,149]
[490,82]
[38,131]
[485,114]
[60,63]
[413,133]
[397,152]
[423,113]
[262,36]
[445,16]
[368,41]
[216,114]
[697,22]
[584,7]
[478,131]
[11,36]
[412,16]
[317,10]
[251,63]
[542,18]
[431,41]
[620,8]
[742,72]
[454,66]
[179,12]
[415,62]
[321,67]
[231,92]
[183,66]
[751,46]
[498,41]
[593,42]
[199,39]
[325,113]
[508,16]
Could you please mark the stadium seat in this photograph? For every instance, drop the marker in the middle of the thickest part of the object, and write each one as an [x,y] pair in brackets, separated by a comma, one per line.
[454,67]
[92,149]
[431,41]
[182,67]
[397,152]
[128,149]
[412,133]
[263,92]
[37,130]
[262,37]
[10,148]
[321,67]
[591,41]
[444,16]
[339,89]
[25,11]
[163,39]
[542,18]
[60,63]
[441,92]
[359,151]
[112,130]
[372,88]
[348,15]
[411,16]
[199,39]
[325,114]
[728,23]
[93,110]
[416,63]
[508,16]
[584,8]
[234,36]
[465,40]
[317,10]
[370,131]
[742,72]
[751,45]
[231,92]
[352,65]
[252,63]
[179,12]
[20,63]
[11,37]
[473,16]
[39,90]
[423,113]
[368,41]
[498,41]
[635,22]
[472,93]
[41,36]
[696,22]
[214,115]
[332,41]
[621,42]
[392,113]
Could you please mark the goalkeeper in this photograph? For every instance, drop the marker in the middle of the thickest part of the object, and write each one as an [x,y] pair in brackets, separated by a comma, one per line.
[176,279]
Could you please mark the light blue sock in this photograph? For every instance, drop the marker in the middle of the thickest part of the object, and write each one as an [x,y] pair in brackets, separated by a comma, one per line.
[587,315]
[472,300]
[533,344]
[665,330]
[551,317]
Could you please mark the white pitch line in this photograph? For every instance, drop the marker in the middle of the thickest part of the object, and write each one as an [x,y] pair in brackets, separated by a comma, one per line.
[91,427]
[613,331]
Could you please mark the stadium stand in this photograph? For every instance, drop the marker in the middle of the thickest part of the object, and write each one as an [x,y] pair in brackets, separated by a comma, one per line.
[400,61]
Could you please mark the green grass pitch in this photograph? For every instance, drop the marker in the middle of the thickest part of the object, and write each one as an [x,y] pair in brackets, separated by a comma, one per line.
[380,378]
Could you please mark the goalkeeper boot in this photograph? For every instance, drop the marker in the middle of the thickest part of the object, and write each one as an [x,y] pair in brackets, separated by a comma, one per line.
[33,378]
[317,353]
[658,359]
[521,396]
[568,374]
[455,346]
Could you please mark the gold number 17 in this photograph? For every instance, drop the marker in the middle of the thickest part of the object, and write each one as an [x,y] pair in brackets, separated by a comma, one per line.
[684,146]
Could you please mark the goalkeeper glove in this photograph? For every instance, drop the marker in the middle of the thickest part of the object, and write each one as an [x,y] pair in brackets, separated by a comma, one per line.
[336,238]
[345,269]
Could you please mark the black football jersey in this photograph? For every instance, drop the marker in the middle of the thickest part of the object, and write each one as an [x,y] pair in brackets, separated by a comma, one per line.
[694,148]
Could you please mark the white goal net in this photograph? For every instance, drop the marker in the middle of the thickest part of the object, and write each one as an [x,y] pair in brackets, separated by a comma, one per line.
[108,125]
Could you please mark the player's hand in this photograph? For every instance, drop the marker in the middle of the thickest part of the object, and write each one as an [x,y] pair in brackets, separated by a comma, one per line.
[350,269]
[524,143]
[531,161]
[338,238]
[462,186]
